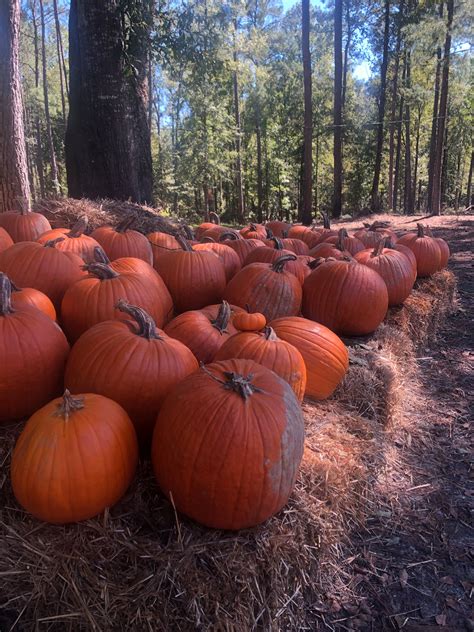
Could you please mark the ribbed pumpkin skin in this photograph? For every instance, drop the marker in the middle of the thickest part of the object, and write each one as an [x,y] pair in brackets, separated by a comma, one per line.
[346,296]
[270,255]
[351,244]
[244,321]
[243,246]
[91,301]
[129,243]
[297,246]
[33,352]
[5,240]
[194,279]
[394,268]
[427,253]
[229,257]
[326,249]
[195,330]
[161,243]
[273,294]
[27,227]
[310,237]
[51,271]
[82,246]
[28,296]
[215,232]
[408,254]
[278,227]
[111,359]
[270,351]
[325,355]
[70,470]
[227,462]
[254,231]
[444,250]
[371,237]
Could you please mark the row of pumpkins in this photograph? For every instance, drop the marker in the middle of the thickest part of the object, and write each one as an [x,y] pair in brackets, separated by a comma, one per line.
[196,351]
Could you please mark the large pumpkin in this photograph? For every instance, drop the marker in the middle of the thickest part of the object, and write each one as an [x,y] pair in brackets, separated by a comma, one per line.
[344,242]
[394,268]
[268,350]
[76,457]
[254,231]
[227,255]
[306,234]
[204,226]
[443,247]
[44,268]
[132,362]
[161,243]
[241,246]
[228,443]
[194,278]
[425,249]
[266,288]
[278,228]
[388,243]
[73,240]
[5,240]
[28,296]
[325,355]
[204,331]
[24,225]
[94,299]
[265,254]
[122,241]
[33,352]
[346,296]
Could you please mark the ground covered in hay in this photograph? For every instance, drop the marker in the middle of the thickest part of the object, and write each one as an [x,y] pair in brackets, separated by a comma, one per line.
[375,537]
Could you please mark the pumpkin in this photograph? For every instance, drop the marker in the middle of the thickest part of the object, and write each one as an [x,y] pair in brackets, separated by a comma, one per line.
[24,225]
[268,350]
[346,296]
[127,264]
[201,229]
[254,231]
[278,228]
[306,234]
[121,241]
[72,240]
[394,268]
[266,288]
[241,246]
[246,321]
[388,243]
[161,243]
[34,298]
[324,354]
[426,250]
[306,260]
[194,278]
[443,247]
[94,298]
[228,454]
[217,231]
[372,234]
[264,254]
[325,230]
[229,257]
[344,242]
[132,362]
[44,268]
[33,352]
[5,240]
[327,249]
[296,246]
[76,456]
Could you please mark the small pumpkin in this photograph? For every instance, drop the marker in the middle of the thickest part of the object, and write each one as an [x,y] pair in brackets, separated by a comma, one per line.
[24,225]
[247,321]
[240,433]
[122,241]
[72,240]
[76,456]
[426,250]
[33,352]
[5,240]
[28,296]
[215,220]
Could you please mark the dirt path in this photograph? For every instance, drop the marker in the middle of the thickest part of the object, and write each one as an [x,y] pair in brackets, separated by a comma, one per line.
[414,568]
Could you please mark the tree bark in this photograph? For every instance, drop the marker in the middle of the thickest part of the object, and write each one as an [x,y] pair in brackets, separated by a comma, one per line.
[39,146]
[346,53]
[259,163]
[238,149]
[393,113]
[434,122]
[469,183]
[14,183]
[396,175]
[375,201]
[408,191]
[108,151]
[417,149]
[60,53]
[306,215]
[337,149]
[443,105]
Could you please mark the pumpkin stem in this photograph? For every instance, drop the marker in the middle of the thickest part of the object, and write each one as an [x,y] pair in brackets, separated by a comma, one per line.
[341,235]
[279,264]
[100,256]
[278,243]
[51,243]
[284,233]
[102,271]
[223,316]
[388,242]
[125,224]
[421,230]
[316,262]
[228,235]
[270,334]
[5,295]
[187,231]
[208,240]
[183,243]
[214,217]
[146,324]
[69,405]
[252,227]
[235,382]
[79,227]
[270,234]
[378,248]
[428,231]
[326,222]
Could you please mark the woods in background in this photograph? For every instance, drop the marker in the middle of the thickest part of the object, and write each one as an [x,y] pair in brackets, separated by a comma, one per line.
[245,109]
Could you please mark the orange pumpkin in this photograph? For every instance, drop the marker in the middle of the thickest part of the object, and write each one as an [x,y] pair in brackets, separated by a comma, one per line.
[161,243]
[388,243]
[34,298]
[5,240]
[310,237]
[229,257]
[33,352]
[344,242]
[270,255]
[443,247]
[241,246]
[121,241]
[426,250]
[246,321]
[73,240]
[372,234]
[132,362]
[75,457]
[24,225]
[254,231]
[229,454]
[278,227]
[204,226]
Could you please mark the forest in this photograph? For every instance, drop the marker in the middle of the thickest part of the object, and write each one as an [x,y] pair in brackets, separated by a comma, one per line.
[215,114]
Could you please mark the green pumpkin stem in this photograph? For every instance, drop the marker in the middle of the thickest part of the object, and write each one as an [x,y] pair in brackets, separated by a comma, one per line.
[279,264]
[102,271]
[79,227]
[223,316]
[69,405]
[5,295]
[146,324]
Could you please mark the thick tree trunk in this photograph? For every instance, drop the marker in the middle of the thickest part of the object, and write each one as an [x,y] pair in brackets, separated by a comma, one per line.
[108,151]
[375,201]
[408,192]
[434,122]
[393,113]
[14,184]
[59,51]
[435,207]
[337,194]
[238,140]
[306,209]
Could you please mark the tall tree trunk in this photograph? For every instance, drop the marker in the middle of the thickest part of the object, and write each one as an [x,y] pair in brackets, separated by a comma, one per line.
[60,54]
[396,175]
[39,144]
[61,47]
[108,151]
[49,131]
[417,149]
[435,206]
[316,177]
[259,163]
[393,113]
[346,53]
[408,196]
[306,209]
[434,122]
[375,201]
[337,149]
[238,140]
[444,169]
[150,93]
[469,183]
[459,178]
[29,163]
[14,183]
